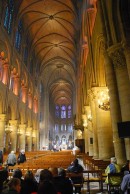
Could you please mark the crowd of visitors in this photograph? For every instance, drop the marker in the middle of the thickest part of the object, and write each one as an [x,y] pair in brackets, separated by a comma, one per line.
[53,180]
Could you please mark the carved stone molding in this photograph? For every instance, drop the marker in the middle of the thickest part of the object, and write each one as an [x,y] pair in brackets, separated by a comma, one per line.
[118,58]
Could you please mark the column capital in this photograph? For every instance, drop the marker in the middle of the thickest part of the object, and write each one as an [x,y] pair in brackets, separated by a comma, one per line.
[3,117]
[22,126]
[13,122]
[117,56]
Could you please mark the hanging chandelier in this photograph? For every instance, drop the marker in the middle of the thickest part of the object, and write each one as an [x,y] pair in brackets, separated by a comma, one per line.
[104,101]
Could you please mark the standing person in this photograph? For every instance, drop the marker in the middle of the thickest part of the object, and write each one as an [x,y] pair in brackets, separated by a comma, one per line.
[11,159]
[125,185]
[21,157]
[1,157]
[113,167]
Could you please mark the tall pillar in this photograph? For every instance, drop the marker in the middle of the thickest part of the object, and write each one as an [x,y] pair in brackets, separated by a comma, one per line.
[92,102]
[90,138]
[104,128]
[85,134]
[29,138]
[34,146]
[5,73]
[115,112]
[89,129]
[22,128]
[123,84]
[2,131]
[13,134]
[127,56]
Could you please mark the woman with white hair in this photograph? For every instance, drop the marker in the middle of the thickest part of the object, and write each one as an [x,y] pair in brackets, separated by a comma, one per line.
[21,157]
[113,167]
[11,159]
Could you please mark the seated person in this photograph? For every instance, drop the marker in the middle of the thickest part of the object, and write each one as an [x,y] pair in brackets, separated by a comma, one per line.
[125,185]
[46,184]
[14,186]
[37,175]
[75,167]
[29,184]
[113,167]
[3,177]
[65,183]
[125,168]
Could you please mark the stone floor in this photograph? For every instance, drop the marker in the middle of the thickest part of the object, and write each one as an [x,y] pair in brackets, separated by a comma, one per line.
[94,189]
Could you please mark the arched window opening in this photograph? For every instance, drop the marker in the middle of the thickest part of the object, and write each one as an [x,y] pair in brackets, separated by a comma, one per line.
[8,18]
[18,37]
[69,112]
[63,112]
[57,111]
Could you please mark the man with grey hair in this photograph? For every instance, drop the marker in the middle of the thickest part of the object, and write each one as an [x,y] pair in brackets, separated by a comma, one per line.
[11,159]
[113,167]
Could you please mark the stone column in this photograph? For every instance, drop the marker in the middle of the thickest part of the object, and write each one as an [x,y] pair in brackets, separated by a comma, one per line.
[90,130]
[34,146]
[22,128]
[123,84]
[2,131]
[104,128]
[29,138]
[5,73]
[37,140]
[114,109]
[84,118]
[127,56]
[13,134]
[90,138]
[92,102]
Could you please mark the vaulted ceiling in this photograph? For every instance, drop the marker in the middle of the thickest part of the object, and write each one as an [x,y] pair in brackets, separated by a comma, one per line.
[52,26]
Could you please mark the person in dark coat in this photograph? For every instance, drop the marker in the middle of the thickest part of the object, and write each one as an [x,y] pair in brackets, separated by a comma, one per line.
[75,167]
[18,174]
[21,157]
[46,183]
[3,176]
[65,182]
[14,186]
[29,184]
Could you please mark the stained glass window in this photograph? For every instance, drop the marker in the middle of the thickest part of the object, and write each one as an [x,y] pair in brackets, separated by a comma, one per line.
[9,15]
[18,36]
[69,112]
[63,112]
[57,111]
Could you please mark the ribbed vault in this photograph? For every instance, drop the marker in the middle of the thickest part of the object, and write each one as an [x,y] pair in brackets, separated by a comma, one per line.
[52,28]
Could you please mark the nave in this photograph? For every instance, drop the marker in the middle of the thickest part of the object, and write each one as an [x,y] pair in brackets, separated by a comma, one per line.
[93,175]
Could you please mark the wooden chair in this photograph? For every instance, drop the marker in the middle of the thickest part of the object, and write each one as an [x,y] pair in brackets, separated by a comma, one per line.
[114,177]
[91,176]
[77,181]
